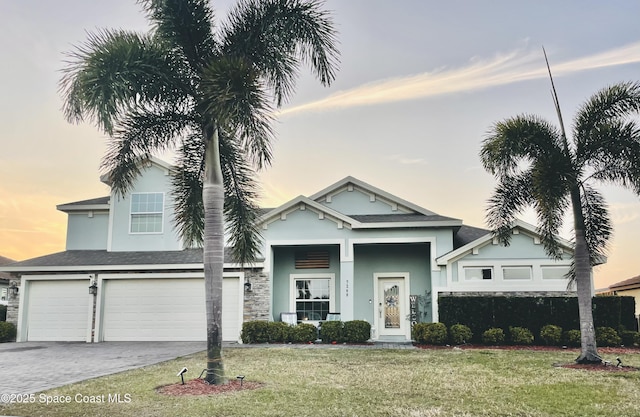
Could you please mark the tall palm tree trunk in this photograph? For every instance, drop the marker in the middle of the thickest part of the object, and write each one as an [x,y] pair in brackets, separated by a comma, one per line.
[213,256]
[588,348]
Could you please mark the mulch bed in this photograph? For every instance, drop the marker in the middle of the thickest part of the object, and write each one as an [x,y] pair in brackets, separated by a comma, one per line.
[200,387]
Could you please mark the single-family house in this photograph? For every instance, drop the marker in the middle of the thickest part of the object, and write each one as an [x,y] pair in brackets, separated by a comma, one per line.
[4,281]
[350,249]
[629,287]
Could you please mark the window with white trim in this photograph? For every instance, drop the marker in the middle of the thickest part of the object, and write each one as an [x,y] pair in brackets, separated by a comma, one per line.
[554,271]
[147,211]
[313,297]
[475,273]
[512,273]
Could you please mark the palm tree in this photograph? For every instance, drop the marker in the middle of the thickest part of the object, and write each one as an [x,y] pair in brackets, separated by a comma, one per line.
[537,166]
[207,95]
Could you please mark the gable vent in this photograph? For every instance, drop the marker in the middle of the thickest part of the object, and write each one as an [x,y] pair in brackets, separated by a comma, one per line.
[312,259]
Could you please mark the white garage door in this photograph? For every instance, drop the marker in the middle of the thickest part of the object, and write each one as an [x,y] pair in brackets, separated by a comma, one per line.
[58,310]
[166,309]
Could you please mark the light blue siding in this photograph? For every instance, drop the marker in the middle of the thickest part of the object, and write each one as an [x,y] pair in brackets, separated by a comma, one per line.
[385,258]
[357,202]
[153,180]
[87,231]
[284,266]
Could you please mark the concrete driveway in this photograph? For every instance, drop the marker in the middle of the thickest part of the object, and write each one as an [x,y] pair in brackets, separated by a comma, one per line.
[31,367]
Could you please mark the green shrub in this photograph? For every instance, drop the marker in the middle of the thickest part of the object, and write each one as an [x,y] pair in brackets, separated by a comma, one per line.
[256,331]
[629,337]
[493,336]
[304,333]
[331,331]
[572,338]
[460,334]
[279,332]
[430,333]
[3,312]
[551,335]
[607,336]
[356,331]
[520,336]
[7,331]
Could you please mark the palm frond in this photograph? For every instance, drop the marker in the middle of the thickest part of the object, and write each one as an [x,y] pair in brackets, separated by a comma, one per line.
[511,196]
[113,73]
[516,140]
[597,225]
[137,137]
[233,95]
[240,209]
[185,24]
[187,190]
[611,103]
[613,153]
[277,36]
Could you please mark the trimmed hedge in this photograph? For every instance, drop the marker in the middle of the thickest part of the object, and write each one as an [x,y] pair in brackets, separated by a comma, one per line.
[259,331]
[459,334]
[429,333]
[493,336]
[331,331]
[256,331]
[7,332]
[3,312]
[356,331]
[520,336]
[482,312]
[572,338]
[304,333]
[551,335]
[607,336]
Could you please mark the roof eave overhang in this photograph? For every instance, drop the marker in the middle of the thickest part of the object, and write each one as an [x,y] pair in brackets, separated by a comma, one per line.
[149,267]
[397,225]
[87,207]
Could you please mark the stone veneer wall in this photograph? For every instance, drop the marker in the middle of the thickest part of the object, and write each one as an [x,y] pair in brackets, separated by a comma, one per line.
[256,302]
[13,304]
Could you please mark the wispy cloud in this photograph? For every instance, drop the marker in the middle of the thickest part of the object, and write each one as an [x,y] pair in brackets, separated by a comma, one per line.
[404,160]
[519,65]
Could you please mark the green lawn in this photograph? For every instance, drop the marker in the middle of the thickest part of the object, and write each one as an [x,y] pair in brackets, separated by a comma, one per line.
[367,382]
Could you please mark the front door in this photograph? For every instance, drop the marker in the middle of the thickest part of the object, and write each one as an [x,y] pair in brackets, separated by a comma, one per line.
[392,307]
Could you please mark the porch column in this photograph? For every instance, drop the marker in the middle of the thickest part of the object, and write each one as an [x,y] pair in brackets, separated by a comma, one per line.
[346,290]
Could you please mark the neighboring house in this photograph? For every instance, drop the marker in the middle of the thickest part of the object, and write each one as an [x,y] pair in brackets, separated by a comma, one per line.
[4,281]
[629,287]
[350,248]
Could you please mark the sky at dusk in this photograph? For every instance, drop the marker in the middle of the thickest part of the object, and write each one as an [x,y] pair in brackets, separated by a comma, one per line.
[420,83]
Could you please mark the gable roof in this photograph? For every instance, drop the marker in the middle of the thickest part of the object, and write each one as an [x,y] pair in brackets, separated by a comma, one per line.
[478,237]
[345,182]
[627,284]
[409,214]
[147,162]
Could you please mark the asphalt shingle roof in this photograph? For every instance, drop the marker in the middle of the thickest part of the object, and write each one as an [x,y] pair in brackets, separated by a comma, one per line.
[635,281]
[467,234]
[97,258]
[91,201]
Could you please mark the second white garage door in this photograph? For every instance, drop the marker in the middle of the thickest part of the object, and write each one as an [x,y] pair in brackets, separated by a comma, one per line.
[166,309]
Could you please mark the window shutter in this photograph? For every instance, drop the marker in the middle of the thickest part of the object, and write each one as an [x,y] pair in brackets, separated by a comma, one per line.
[312,259]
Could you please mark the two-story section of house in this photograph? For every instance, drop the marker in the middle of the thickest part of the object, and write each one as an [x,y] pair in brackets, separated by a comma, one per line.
[351,250]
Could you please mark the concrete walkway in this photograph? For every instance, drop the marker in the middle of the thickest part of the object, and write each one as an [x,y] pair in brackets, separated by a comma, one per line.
[32,367]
